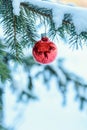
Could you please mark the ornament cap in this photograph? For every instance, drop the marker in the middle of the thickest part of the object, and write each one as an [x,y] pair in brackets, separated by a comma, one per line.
[45,39]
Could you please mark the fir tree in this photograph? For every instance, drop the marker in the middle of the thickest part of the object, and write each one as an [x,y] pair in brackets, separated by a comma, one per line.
[21,30]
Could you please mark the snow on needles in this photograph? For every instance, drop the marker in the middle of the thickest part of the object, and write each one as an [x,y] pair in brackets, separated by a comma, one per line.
[16,6]
[79,15]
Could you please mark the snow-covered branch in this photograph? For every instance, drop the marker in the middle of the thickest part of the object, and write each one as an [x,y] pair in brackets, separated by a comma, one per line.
[78,14]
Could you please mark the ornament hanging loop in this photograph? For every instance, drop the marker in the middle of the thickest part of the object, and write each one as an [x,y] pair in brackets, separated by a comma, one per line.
[45,31]
[45,24]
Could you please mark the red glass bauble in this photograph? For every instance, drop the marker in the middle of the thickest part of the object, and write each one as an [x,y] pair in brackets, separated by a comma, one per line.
[44,51]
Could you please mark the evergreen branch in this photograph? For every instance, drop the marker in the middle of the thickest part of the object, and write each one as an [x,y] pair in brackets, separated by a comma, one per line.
[42,11]
[15,40]
[4,71]
[20,31]
[12,28]
[62,78]
[36,9]
[30,31]
[16,46]
[47,13]
[67,28]
[2,50]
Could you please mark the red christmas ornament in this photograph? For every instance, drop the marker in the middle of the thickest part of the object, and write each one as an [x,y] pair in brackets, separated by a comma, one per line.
[44,51]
